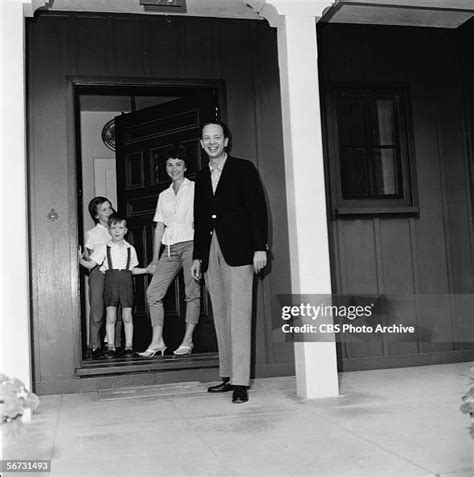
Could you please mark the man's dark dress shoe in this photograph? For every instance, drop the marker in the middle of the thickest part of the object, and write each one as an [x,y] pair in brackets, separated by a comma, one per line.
[223,387]
[240,394]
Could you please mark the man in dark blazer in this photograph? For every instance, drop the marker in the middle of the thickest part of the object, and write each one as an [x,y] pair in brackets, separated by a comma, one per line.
[230,243]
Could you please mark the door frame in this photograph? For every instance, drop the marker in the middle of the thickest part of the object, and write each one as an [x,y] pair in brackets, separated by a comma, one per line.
[113,86]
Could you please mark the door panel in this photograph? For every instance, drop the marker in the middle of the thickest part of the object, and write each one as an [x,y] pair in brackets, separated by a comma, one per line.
[105,178]
[142,139]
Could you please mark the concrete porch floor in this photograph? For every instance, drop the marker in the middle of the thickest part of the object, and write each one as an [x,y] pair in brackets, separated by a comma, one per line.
[392,422]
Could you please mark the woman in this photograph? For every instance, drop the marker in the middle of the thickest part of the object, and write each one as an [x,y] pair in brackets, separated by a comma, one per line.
[174,229]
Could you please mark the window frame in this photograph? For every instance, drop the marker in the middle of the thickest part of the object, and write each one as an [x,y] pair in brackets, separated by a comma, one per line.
[408,203]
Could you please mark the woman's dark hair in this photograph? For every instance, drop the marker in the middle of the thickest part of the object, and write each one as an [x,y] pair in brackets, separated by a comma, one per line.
[177,152]
[93,204]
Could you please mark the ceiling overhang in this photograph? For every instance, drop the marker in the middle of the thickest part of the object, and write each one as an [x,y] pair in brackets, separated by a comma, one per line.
[195,8]
[417,13]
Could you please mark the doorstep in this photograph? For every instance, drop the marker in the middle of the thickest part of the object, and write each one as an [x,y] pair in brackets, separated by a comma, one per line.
[102,367]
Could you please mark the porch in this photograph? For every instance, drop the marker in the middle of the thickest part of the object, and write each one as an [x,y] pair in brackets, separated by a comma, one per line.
[390,422]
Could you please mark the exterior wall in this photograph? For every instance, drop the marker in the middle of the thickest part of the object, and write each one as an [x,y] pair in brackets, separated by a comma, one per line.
[429,254]
[243,54]
[464,36]
[15,342]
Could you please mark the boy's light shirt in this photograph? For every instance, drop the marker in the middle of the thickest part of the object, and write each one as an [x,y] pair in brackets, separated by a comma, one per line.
[118,253]
[96,237]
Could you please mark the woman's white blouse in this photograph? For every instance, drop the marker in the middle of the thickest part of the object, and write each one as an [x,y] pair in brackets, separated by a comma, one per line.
[176,212]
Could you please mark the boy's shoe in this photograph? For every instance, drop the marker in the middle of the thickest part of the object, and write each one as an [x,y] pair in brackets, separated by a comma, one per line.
[128,353]
[97,353]
[111,353]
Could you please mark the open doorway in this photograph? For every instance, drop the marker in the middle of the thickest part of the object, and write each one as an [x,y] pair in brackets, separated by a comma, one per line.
[123,129]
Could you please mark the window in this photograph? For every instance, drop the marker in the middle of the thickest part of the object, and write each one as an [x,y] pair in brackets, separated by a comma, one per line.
[371,163]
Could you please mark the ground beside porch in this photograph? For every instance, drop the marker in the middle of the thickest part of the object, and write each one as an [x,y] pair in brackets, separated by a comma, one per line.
[391,422]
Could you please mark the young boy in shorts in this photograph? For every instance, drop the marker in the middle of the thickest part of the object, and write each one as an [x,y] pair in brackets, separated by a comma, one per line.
[118,260]
[100,209]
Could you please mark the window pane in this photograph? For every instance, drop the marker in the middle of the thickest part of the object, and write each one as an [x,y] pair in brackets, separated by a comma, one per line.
[385,173]
[384,127]
[369,149]
[350,119]
[354,173]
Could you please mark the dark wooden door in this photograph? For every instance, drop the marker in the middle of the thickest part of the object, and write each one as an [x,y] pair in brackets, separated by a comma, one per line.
[142,139]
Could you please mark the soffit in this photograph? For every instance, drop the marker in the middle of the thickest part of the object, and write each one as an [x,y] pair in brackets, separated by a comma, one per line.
[197,8]
[420,13]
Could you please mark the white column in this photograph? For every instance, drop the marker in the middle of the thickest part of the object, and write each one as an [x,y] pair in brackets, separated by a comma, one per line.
[316,365]
[15,358]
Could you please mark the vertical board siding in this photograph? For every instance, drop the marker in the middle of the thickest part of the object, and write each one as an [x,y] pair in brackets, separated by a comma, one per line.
[265,326]
[465,108]
[129,44]
[165,57]
[270,143]
[457,194]
[51,260]
[398,273]
[429,254]
[199,49]
[396,252]
[237,68]
[360,264]
[92,44]
[150,47]
[263,331]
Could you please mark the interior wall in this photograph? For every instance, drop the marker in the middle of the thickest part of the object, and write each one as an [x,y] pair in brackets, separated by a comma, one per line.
[92,147]
[400,255]
[242,53]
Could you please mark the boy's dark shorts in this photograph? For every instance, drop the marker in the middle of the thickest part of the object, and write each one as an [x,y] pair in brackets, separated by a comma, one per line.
[118,288]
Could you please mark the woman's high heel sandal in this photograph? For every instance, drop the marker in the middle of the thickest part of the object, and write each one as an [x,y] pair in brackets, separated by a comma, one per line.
[183,350]
[150,352]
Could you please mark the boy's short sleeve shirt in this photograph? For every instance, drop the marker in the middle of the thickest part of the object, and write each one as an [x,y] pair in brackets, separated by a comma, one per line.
[96,237]
[118,254]
[176,212]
